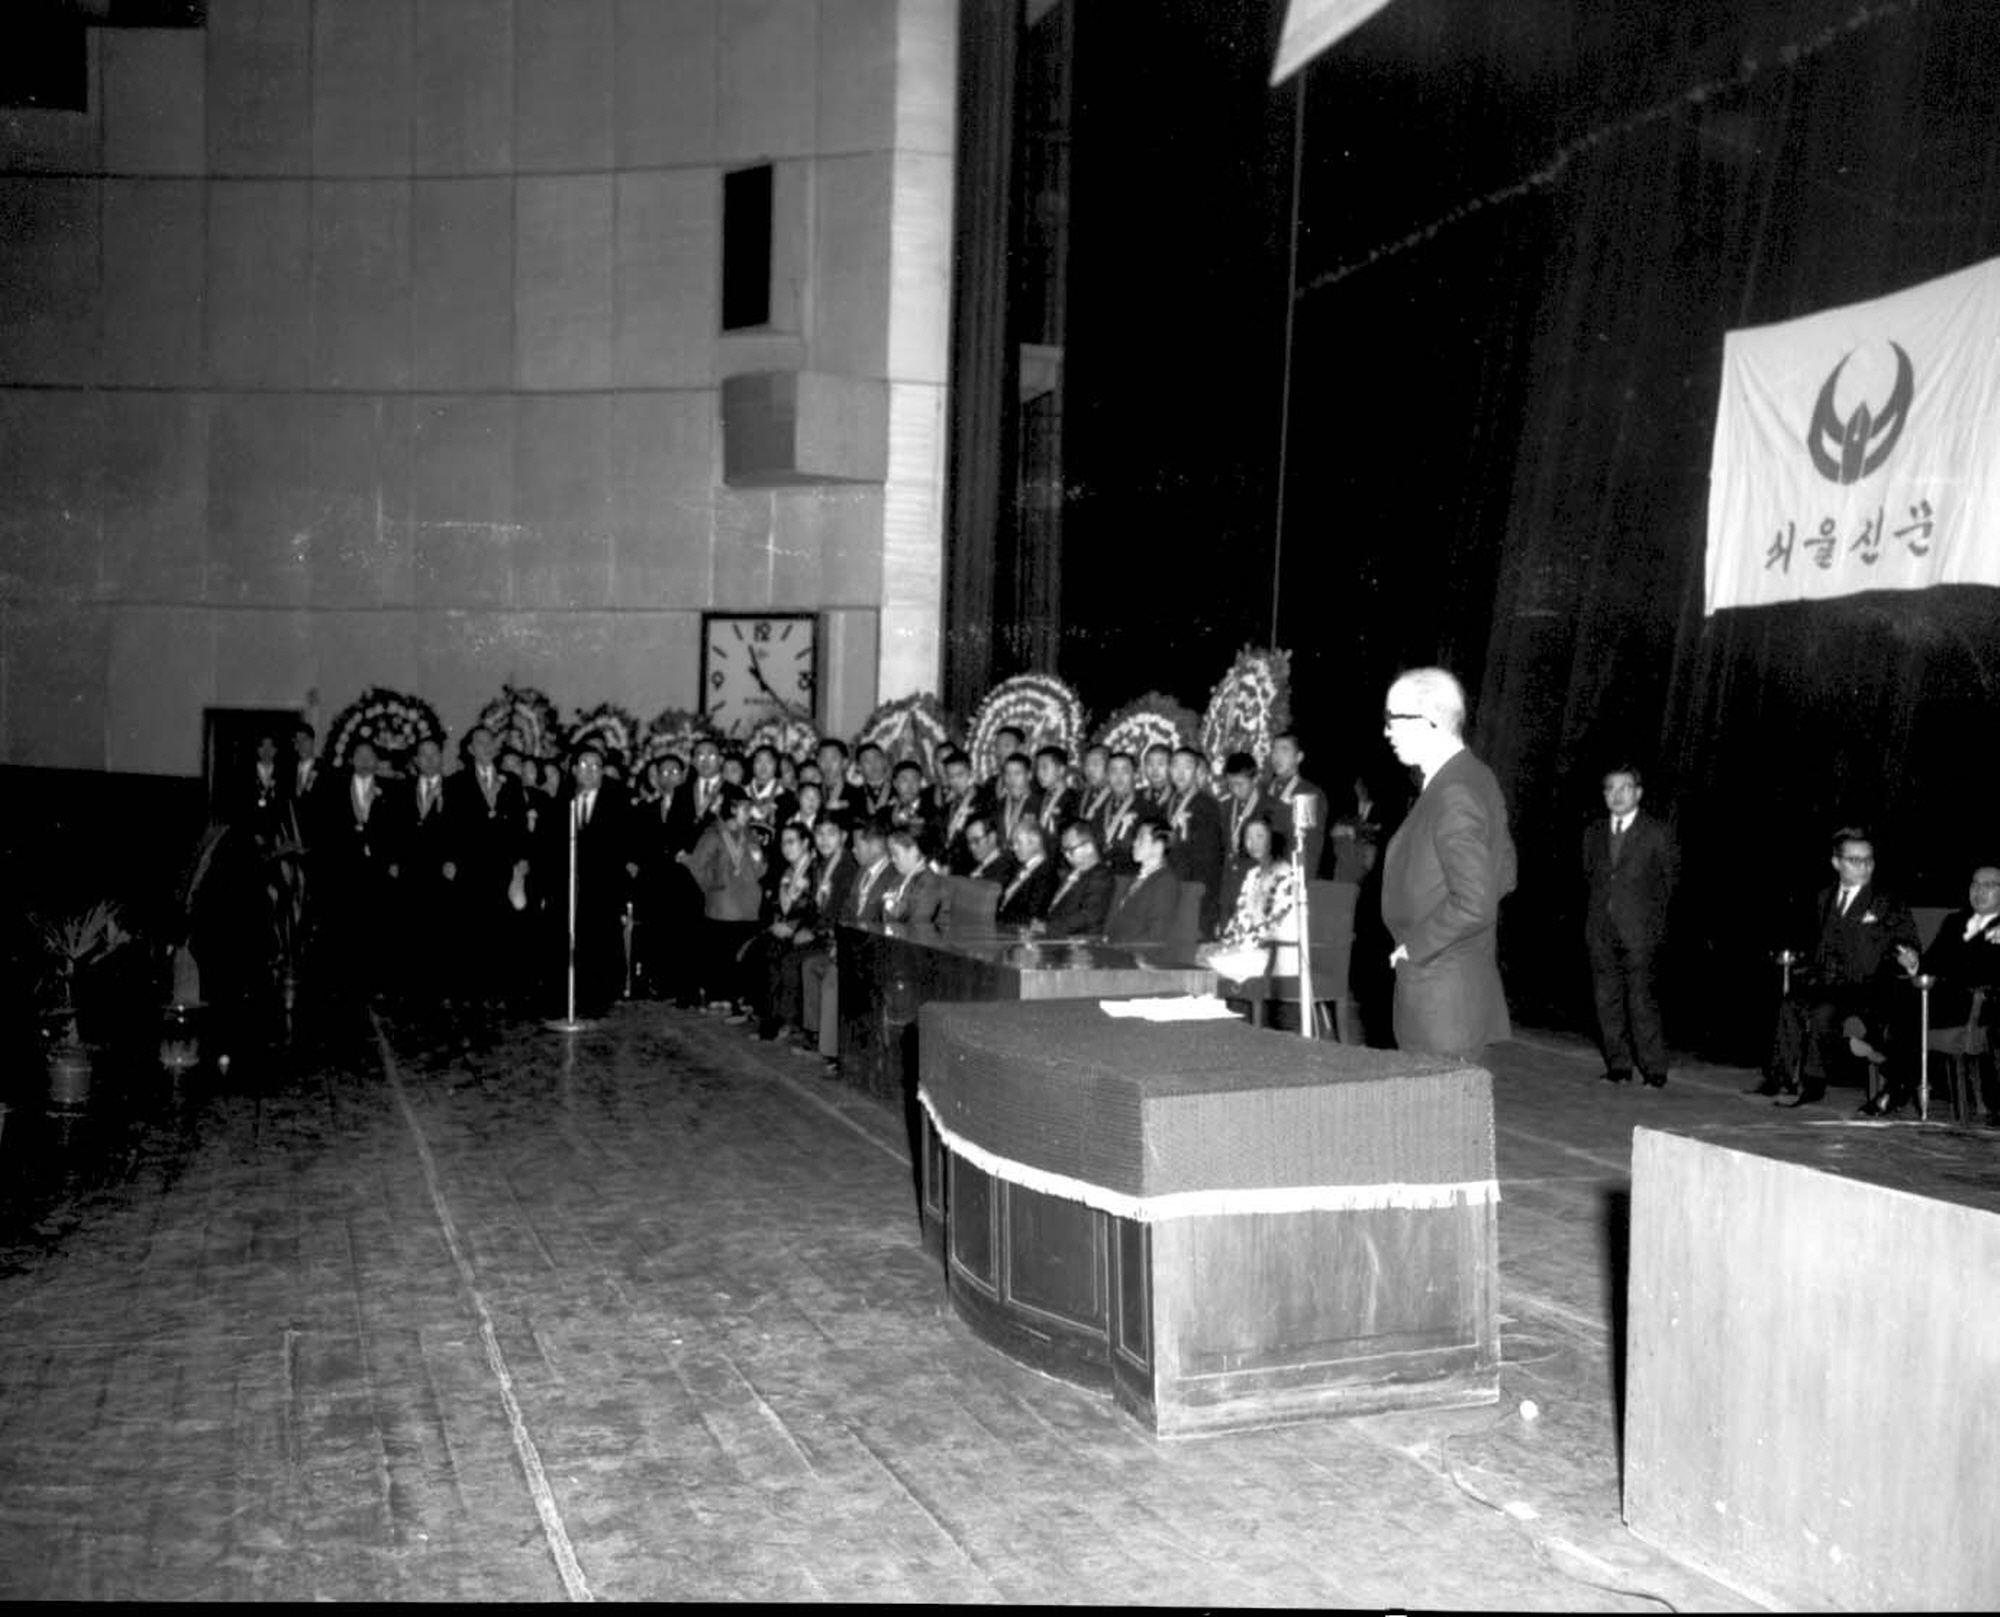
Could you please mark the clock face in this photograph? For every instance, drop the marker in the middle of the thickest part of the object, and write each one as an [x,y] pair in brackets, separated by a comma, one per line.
[755,665]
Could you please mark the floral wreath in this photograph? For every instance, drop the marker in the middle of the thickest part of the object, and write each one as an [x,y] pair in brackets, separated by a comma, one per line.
[1154,720]
[916,728]
[672,732]
[1045,710]
[390,721]
[524,721]
[792,733]
[613,731]
[1251,705]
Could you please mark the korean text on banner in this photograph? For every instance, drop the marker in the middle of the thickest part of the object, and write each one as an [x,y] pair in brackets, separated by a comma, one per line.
[1859,448]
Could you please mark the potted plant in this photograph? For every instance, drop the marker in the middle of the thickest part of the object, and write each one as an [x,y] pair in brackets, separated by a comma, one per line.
[72,946]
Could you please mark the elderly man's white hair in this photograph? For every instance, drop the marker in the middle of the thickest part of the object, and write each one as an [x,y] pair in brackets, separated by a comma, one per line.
[1437,694]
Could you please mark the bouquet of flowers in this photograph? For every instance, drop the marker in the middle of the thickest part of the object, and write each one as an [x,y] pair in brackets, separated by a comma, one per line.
[613,732]
[792,733]
[524,720]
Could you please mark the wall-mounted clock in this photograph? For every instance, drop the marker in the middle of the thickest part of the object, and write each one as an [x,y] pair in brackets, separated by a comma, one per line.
[754,663]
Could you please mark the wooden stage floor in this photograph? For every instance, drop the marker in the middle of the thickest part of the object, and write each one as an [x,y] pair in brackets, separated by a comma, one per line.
[642,1314]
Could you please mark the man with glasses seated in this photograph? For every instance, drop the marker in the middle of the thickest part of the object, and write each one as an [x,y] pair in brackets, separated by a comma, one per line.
[1843,997]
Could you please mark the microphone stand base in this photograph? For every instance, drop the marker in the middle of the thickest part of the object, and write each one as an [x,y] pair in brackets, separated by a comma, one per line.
[567,1024]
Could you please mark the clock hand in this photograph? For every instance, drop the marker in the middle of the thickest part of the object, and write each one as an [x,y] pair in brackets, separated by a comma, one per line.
[757,673]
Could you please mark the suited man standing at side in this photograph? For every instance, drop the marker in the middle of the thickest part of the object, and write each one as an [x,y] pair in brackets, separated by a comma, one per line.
[1630,867]
[1446,870]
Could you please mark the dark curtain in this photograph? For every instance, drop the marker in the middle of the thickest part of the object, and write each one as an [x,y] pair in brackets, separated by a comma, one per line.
[1525,229]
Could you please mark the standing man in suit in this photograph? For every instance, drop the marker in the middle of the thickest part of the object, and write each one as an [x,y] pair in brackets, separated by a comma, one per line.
[1118,816]
[1200,838]
[1447,868]
[594,810]
[1630,867]
[1842,1000]
[305,773]
[356,863]
[675,903]
[486,816]
[1287,787]
[425,902]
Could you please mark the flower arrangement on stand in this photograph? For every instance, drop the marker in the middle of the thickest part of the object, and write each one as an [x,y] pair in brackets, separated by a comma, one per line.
[1155,719]
[792,733]
[1249,706]
[523,720]
[613,732]
[390,721]
[1046,711]
[914,727]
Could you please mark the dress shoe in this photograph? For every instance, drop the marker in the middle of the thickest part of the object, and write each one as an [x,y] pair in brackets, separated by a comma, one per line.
[1805,1097]
[1655,1080]
[1618,1075]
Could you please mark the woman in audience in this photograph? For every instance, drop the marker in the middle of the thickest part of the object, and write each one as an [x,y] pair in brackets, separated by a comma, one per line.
[788,913]
[1265,913]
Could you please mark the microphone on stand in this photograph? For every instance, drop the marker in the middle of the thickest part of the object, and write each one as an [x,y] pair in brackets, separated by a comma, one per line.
[568,1022]
[1302,820]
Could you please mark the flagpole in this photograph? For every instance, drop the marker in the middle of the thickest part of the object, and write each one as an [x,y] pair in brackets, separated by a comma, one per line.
[1291,312]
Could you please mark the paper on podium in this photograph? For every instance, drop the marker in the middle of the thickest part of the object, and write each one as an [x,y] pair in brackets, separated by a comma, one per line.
[1170,1008]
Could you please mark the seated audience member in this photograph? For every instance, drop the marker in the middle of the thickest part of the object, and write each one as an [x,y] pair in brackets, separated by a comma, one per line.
[1015,800]
[1288,789]
[1266,913]
[1025,898]
[728,867]
[785,929]
[1081,904]
[1152,901]
[1964,957]
[1200,839]
[990,861]
[1055,801]
[916,894]
[1118,815]
[957,804]
[1843,997]
[1245,797]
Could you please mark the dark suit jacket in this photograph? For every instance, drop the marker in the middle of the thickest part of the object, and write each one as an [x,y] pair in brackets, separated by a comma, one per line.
[486,838]
[1447,868]
[685,823]
[1283,815]
[1056,809]
[1961,967]
[1083,910]
[1627,901]
[427,840]
[837,886]
[1148,911]
[1001,870]
[602,849]
[1116,827]
[926,901]
[352,850]
[1026,899]
[1859,948]
[1199,851]
[864,908]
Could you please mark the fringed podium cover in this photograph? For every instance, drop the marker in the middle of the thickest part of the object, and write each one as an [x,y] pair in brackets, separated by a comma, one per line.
[1157,1121]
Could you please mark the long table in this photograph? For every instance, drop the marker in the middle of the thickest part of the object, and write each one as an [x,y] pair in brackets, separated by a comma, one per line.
[1222,1226]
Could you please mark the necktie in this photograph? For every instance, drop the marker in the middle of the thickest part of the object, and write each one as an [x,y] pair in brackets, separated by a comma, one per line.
[1617,838]
[1846,898]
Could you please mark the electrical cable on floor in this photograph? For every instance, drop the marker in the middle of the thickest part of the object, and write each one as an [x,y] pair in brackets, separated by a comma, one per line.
[1540,1543]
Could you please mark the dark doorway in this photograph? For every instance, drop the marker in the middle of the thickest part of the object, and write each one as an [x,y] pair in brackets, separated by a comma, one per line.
[229,738]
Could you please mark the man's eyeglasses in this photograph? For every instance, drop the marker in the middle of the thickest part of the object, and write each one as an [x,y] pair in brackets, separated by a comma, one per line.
[1857,859]
[1389,716]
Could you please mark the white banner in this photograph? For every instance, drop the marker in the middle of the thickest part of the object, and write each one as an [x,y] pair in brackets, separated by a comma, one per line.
[1312,25]
[1859,449]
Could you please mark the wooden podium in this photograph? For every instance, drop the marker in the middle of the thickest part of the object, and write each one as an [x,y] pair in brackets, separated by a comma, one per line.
[1221,1226]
